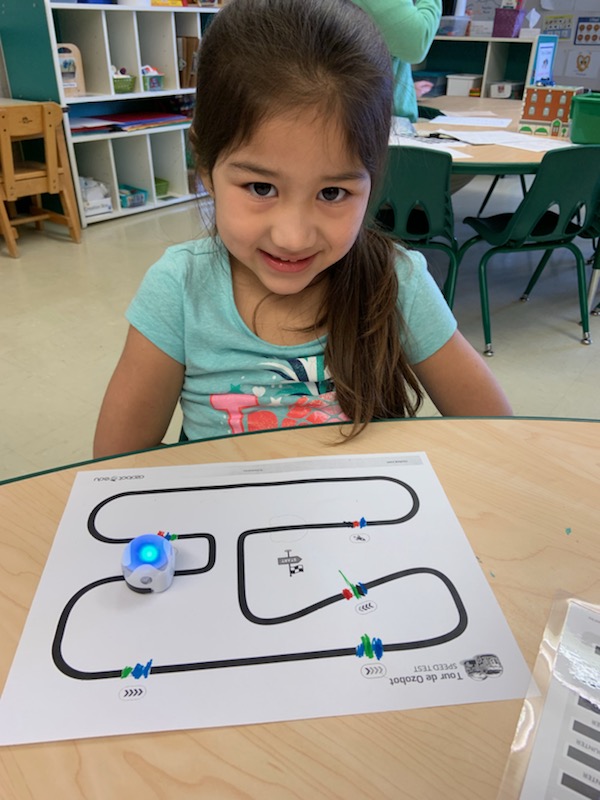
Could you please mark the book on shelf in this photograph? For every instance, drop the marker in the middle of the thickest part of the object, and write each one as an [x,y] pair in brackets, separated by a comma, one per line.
[132,121]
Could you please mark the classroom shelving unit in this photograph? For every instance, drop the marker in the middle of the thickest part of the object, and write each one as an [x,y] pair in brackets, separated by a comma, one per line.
[497,59]
[123,36]
[131,36]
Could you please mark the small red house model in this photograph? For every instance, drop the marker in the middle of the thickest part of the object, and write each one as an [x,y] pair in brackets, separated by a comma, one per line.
[545,110]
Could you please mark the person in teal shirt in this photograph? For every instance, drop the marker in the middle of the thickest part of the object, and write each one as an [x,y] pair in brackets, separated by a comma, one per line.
[408,29]
[295,311]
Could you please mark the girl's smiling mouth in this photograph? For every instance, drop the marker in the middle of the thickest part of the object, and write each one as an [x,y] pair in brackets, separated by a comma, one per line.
[287,265]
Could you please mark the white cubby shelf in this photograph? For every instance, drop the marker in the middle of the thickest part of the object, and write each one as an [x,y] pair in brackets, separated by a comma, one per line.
[107,35]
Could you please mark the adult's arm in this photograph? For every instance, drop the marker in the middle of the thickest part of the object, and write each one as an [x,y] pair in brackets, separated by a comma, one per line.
[408,28]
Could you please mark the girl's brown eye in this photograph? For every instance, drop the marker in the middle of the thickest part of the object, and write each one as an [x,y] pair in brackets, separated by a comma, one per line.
[261,189]
[333,193]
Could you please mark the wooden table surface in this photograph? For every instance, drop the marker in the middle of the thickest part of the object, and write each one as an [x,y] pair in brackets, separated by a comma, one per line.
[486,159]
[526,493]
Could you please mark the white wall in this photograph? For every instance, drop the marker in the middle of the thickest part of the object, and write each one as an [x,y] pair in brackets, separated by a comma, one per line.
[577,61]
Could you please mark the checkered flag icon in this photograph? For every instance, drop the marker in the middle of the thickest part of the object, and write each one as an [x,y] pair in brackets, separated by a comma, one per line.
[294,568]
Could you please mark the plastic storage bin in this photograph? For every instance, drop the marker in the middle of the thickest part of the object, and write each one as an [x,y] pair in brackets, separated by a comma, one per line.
[153,82]
[585,118]
[462,84]
[453,26]
[131,196]
[507,90]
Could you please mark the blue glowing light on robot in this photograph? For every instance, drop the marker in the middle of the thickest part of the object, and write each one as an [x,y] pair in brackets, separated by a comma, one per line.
[149,554]
[148,563]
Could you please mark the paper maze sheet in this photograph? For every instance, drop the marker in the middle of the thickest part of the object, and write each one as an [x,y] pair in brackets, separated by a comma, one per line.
[302,588]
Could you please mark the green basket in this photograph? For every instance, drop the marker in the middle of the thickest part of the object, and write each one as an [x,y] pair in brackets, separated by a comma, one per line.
[123,83]
[161,187]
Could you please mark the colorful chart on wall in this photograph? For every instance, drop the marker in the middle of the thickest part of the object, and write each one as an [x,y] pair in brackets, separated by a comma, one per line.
[302,588]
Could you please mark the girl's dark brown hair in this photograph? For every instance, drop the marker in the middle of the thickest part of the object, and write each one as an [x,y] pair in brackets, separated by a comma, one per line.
[262,58]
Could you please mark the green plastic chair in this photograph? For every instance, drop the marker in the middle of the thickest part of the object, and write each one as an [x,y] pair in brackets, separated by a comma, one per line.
[593,233]
[561,204]
[427,112]
[594,280]
[415,204]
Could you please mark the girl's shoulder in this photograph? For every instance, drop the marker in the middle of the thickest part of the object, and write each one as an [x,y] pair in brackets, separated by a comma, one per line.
[198,261]
[417,288]
[410,264]
[196,251]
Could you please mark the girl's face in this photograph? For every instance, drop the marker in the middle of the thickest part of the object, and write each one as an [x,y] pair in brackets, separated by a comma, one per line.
[290,202]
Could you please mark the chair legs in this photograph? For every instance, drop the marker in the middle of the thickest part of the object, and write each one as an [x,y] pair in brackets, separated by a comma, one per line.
[595,277]
[67,191]
[584,301]
[488,194]
[583,305]
[583,296]
[485,304]
[493,186]
[69,204]
[451,277]
[10,218]
[538,271]
[37,202]
[7,230]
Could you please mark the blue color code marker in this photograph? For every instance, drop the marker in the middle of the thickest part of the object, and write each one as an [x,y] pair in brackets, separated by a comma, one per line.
[148,563]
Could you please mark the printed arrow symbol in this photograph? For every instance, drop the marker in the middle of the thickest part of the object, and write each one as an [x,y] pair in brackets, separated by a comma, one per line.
[373,671]
[132,692]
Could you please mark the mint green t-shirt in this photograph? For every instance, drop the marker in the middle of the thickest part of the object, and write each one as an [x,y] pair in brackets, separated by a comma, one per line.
[408,29]
[234,381]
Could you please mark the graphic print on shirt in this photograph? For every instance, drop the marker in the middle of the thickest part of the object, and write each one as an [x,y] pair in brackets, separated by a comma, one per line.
[301,393]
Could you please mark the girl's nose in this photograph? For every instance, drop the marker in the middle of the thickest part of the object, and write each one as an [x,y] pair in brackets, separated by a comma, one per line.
[293,230]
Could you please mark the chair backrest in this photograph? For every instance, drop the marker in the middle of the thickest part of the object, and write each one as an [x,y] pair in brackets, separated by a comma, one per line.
[418,178]
[567,183]
[25,122]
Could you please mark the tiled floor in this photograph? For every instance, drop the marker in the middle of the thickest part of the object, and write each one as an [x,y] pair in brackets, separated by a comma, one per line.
[62,327]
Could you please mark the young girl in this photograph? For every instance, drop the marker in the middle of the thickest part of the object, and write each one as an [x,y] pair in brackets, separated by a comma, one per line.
[295,311]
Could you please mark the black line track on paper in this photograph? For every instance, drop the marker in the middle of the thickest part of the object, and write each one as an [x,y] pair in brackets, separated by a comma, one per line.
[72,672]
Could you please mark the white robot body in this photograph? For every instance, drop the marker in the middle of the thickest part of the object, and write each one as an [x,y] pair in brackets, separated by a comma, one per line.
[148,563]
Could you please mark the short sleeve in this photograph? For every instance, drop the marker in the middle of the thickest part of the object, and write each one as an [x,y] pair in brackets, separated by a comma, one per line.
[157,309]
[428,322]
